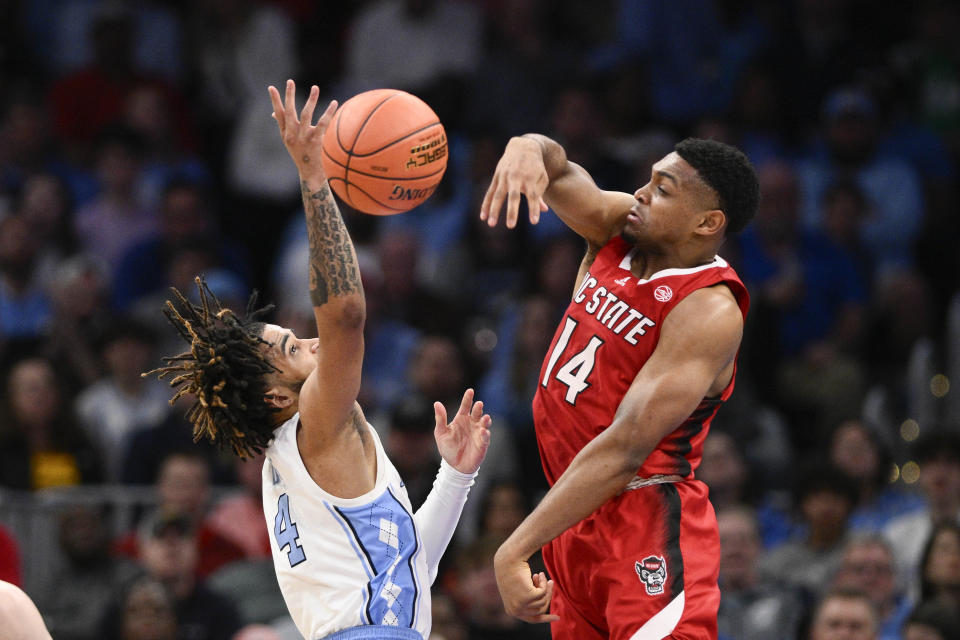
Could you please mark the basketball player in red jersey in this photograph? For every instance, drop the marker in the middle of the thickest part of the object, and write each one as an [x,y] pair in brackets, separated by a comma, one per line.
[642,360]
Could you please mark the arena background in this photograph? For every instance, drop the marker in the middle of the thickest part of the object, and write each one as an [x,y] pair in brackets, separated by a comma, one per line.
[136,151]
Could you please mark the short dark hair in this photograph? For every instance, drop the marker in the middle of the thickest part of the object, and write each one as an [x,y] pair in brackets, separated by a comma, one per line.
[815,476]
[845,593]
[225,369]
[727,171]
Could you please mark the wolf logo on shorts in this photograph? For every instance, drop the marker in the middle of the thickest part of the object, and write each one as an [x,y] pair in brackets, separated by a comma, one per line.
[653,573]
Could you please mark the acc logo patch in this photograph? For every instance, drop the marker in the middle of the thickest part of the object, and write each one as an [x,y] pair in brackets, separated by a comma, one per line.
[663,293]
[653,574]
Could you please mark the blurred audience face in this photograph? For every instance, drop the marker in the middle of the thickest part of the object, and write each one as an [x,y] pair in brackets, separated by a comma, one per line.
[868,566]
[127,357]
[535,329]
[183,485]
[184,215]
[558,268]
[779,211]
[940,479]
[854,452]
[844,211]
[399,255]
[148,613]
[83,535]
[79,288]
[739,548]
[170,556]
[44,205]
[18,248]
[117,168]
[722,468]
[34,394]
[826,511]
[437,369]
[943,564]
[504,510]
[844,618]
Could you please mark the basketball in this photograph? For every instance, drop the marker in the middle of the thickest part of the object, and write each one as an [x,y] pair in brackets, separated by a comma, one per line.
[384,152]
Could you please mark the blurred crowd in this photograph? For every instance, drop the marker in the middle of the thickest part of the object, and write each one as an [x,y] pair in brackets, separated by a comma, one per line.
[137,151]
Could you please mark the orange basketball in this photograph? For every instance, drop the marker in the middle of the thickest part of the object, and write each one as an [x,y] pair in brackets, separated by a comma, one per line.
[384,152]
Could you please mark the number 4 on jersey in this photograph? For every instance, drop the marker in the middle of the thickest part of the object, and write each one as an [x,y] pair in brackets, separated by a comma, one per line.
[577,369]
[285,532]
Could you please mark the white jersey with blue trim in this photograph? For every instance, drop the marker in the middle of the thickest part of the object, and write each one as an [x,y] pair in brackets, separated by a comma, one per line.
[343,562]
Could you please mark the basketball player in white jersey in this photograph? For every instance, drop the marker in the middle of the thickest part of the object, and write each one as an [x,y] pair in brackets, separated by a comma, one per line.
[352,557]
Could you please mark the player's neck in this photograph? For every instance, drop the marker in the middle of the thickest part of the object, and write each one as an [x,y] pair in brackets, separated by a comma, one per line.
[647,263]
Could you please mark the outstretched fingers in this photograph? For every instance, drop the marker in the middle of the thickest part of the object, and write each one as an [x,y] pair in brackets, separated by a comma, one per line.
[278,113]
[306,115]
[440,413]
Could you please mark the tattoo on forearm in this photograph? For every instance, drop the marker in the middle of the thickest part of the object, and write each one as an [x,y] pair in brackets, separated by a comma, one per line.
[333,265]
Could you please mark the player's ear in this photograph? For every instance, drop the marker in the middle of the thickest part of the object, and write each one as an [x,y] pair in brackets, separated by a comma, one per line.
[711,222]
[278,397]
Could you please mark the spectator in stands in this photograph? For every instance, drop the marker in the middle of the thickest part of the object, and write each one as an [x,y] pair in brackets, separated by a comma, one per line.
[844,615]
[123,402]
[40,445]
[856,449]
[851,127]
[81,313]
[47,207]
[824,497]
[751,608]
[845,211]
[408,444]
[940,565]
[117,218]
[91,98]
[186,220]
[868,565]
[80,592]
[479,601]
[239,517]
[183,490]
[813,298]
[149,613]
[938,454]
[24,305]
[170,554]
[145,611]
[932,621]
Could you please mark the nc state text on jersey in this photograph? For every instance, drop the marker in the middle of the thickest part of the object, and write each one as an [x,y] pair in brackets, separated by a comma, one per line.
[611,311]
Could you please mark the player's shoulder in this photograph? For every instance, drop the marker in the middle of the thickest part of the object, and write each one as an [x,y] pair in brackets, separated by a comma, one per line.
[710,313]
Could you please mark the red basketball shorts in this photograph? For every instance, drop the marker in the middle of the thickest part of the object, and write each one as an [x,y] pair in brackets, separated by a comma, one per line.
[643,567]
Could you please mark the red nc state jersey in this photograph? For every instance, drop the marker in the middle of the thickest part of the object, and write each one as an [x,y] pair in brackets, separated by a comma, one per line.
[609,331]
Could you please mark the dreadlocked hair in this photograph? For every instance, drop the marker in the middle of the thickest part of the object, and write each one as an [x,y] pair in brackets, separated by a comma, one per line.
[224,369]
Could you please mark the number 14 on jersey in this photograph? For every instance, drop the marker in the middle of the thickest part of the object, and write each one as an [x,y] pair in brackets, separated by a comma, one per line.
[575,372]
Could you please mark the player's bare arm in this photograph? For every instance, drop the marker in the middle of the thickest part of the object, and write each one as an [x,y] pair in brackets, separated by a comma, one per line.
[19,617]
[328,398]
[536,168]
[693,359]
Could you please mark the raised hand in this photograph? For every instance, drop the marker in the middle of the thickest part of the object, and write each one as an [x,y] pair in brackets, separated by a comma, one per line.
[463,442]
[519,173]
[301,137]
